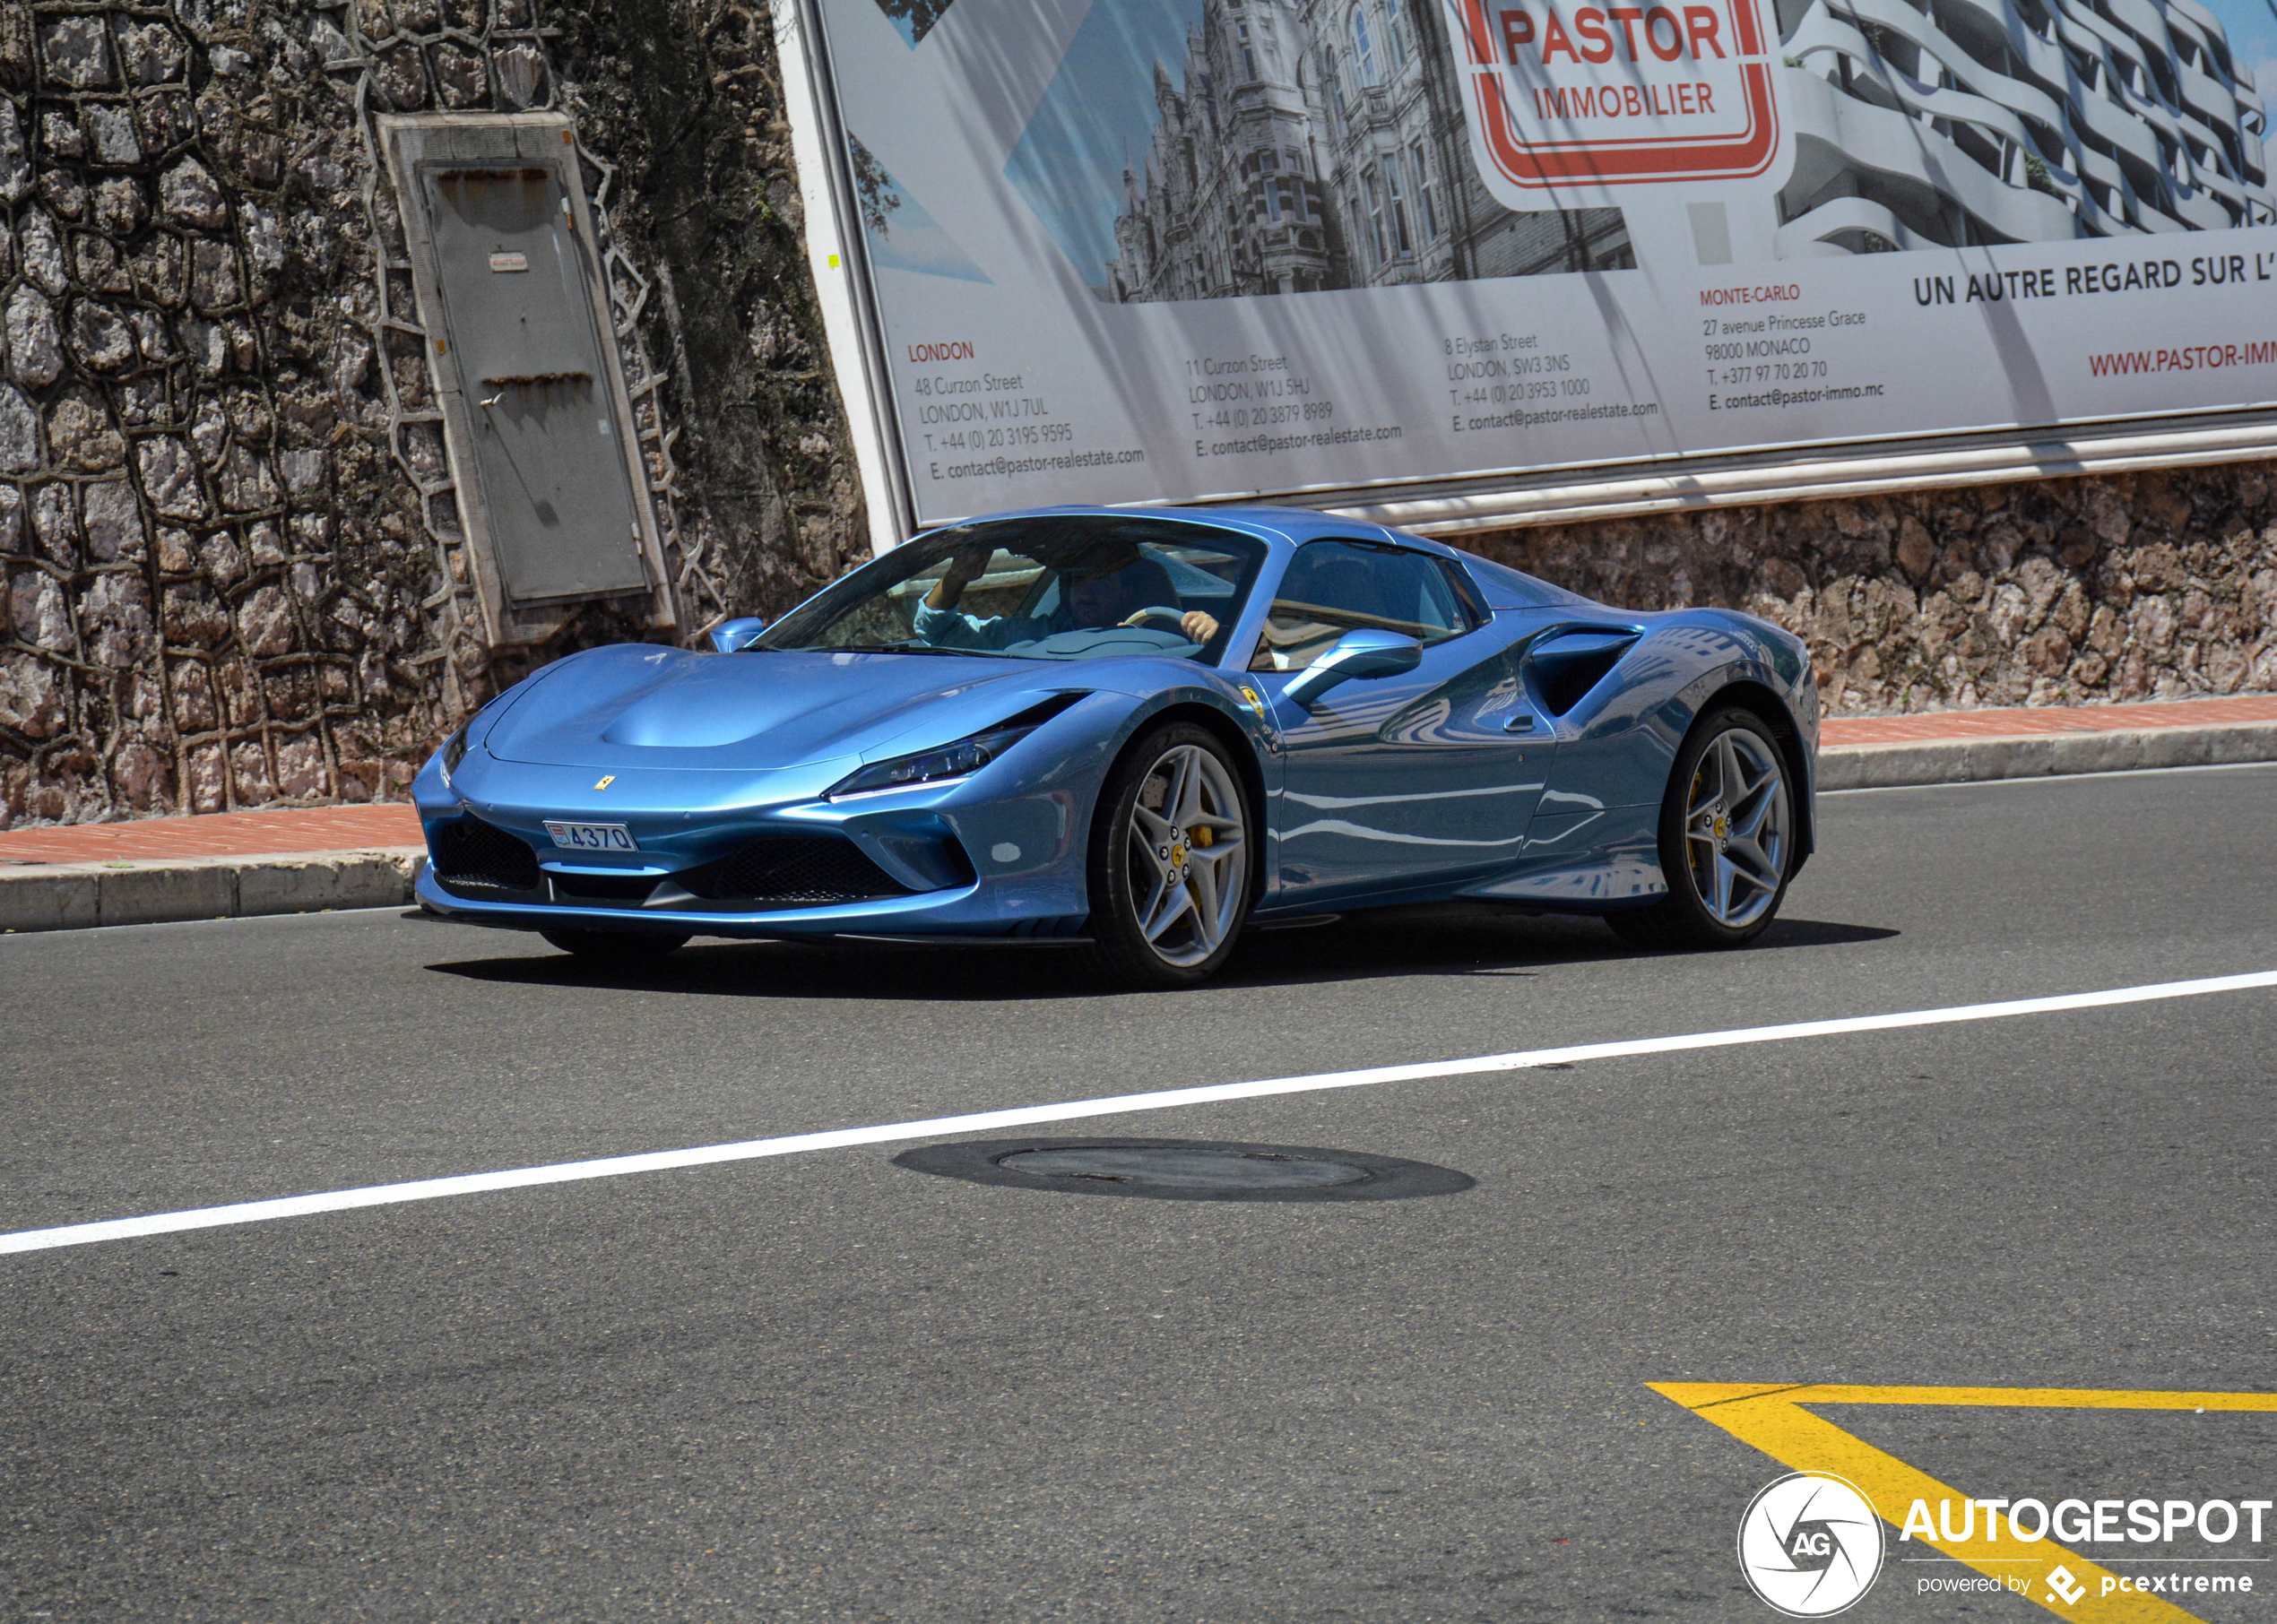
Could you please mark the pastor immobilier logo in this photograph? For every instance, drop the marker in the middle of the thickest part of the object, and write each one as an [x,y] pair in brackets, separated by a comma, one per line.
[1562,94]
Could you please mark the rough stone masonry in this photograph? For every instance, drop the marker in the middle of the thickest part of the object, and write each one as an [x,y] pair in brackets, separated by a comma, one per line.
[232,549]
[2049,591]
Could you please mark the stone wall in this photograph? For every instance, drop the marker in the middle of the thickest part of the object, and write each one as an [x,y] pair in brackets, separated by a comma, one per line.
[687,95]
[230,559]
[231,547]
[2054,592]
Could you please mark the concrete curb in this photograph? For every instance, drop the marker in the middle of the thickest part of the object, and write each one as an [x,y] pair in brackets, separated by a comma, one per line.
[1967,761]
[74,896]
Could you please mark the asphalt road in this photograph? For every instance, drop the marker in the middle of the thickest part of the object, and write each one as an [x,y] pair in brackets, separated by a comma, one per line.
[822,1386]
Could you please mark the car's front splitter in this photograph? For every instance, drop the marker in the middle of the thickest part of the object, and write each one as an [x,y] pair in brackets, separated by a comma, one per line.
[977,911]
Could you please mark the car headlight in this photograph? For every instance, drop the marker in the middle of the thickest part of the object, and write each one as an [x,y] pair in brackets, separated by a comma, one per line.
[962,759]
[454,752]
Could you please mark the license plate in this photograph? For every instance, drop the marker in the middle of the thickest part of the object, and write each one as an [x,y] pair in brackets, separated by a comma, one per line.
[592,837]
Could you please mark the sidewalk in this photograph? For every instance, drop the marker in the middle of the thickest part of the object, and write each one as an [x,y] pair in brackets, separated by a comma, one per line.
[1973,746]
[219,834]
[228,865]
[240,864]
[1934,725]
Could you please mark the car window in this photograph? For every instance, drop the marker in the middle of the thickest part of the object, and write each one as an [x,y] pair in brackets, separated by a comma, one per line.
[1335,587]
[1466,592]
[1056,587]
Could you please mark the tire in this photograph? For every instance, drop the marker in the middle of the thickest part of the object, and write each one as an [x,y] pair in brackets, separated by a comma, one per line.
[1727,839]
[1166,907]
[627,949]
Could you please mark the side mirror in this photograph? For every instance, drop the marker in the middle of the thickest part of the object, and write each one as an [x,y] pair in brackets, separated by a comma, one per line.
[730,635]
[1366,653]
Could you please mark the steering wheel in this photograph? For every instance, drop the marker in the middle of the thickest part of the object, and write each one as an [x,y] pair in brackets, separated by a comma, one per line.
[1087,640]
[1177,617]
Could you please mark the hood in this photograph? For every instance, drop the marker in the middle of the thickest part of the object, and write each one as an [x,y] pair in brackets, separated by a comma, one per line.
[640,706]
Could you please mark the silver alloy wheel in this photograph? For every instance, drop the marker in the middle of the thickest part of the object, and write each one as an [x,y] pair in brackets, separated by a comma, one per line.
[1188,855]
[1735,828]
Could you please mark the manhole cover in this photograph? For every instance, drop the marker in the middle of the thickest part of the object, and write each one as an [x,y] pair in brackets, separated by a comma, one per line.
[1186,1170]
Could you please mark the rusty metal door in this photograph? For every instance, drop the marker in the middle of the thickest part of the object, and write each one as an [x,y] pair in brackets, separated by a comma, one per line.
[550,454]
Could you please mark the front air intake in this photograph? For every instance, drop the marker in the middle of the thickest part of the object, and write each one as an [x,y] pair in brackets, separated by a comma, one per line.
[473,853]
[800,871]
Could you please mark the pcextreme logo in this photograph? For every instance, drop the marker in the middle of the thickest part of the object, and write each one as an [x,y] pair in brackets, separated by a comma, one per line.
[1810,1544]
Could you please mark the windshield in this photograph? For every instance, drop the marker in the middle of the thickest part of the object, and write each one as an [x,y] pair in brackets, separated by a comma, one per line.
[1063,587]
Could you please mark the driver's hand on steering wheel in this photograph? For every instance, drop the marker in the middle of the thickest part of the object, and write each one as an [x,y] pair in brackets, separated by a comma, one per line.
[1198,626]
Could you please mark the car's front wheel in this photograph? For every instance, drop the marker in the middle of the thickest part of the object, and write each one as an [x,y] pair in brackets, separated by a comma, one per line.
[627,949]
[1169,873]
[1727,840]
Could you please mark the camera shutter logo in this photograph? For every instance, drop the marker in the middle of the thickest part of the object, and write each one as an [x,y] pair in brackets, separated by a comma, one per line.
[1810,1544]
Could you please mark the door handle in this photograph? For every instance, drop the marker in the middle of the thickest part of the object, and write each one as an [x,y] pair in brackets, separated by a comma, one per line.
[1521,723]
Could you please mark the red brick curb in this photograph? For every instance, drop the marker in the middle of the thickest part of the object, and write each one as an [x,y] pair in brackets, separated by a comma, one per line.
[217,835]
[1931,726]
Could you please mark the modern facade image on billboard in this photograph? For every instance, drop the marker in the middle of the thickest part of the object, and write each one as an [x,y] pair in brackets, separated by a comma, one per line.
[1423,256]
[2022,121]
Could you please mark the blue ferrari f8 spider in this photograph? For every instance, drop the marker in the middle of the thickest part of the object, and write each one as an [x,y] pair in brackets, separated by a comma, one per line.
[1138,732]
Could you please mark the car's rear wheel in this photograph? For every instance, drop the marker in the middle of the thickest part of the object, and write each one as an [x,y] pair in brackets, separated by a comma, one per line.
[1727,839]
[624,948]
[1170,873]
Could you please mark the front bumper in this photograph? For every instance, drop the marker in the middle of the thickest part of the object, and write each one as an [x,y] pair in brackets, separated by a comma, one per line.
[999,855]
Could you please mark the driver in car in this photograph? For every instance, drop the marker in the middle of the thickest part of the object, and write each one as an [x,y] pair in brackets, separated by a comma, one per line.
[1094,592]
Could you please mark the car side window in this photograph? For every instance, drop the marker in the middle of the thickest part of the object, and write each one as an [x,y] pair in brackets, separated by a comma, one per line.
[1466,592]
[1335,587]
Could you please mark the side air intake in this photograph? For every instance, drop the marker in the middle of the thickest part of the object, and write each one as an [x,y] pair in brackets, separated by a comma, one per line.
[1564,670]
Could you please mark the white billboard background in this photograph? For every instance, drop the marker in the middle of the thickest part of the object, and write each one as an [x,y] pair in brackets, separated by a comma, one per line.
[1000,143]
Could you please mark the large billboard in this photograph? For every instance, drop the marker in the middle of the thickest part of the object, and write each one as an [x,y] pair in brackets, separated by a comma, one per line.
[1146,250]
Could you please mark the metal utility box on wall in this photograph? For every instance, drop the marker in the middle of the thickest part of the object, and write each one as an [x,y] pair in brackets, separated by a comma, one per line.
[537,422]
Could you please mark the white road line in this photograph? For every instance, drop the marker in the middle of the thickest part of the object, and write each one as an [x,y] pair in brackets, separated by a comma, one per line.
[1026,1116]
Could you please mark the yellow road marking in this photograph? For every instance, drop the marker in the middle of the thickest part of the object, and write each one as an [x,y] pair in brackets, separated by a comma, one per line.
[1771,1417]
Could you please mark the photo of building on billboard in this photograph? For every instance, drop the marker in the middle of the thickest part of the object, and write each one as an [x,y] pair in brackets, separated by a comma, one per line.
[2021,121]
[1217,148]
[1287,147]
[1211,148]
